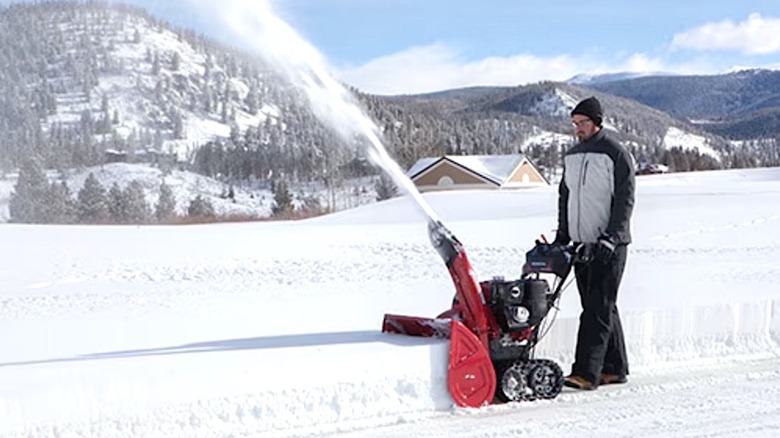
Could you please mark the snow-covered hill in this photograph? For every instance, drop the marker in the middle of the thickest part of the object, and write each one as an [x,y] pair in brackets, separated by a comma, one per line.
[250,200]
[186,186]
[85,79]
[555,103]
[158,84]
[676,137]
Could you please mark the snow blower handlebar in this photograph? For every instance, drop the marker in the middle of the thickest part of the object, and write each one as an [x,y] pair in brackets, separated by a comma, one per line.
[559,260]
[549,258]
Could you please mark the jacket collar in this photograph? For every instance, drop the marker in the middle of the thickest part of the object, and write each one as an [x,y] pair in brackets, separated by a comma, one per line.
[596,137]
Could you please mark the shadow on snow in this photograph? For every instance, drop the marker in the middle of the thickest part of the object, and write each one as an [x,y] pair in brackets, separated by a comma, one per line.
[257,343]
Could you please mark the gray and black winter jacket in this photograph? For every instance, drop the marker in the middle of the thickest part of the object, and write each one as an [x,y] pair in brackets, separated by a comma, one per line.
[596,192]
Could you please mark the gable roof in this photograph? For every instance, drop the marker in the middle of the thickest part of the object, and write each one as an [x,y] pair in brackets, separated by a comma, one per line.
[494,168]
[422,165]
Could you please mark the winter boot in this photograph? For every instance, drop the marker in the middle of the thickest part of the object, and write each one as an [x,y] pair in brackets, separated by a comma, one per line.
[608,379]
[578,382]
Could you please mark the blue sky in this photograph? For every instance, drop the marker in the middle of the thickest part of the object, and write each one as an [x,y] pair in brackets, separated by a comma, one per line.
[412,46]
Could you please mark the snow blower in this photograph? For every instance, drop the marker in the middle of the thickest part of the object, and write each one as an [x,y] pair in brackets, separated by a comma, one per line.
[494,325]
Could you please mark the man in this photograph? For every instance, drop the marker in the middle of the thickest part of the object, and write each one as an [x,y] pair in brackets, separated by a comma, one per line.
[596,199]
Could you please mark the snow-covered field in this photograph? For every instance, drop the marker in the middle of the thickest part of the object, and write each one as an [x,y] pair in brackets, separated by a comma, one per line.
[272,329]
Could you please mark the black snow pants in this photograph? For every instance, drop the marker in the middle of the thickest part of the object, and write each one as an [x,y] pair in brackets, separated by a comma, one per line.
[600,344]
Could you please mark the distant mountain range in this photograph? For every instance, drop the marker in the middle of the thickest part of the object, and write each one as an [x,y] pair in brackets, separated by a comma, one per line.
[538,115]
[586,79]
[740,105]
[81,79]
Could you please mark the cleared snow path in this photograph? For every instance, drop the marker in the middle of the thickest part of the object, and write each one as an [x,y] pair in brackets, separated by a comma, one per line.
[738,397]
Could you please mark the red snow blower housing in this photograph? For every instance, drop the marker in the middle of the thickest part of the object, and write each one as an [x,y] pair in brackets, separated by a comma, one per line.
[494,325]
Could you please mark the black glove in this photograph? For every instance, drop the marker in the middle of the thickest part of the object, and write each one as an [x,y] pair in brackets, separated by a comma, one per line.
[605,248]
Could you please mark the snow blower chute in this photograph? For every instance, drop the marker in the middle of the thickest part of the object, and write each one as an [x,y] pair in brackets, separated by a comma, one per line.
[494,325]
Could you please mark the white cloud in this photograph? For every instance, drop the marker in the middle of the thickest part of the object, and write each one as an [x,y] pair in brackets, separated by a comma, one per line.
[639,63]
[755,36]
[437,67]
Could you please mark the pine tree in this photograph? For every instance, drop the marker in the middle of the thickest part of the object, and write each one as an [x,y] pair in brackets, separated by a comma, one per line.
[156,64]
[138,211]
[92,202]
[175,61]
[28,200]
[385,188]
[200,207]
[311,205]
[282,199]
[60,204]
[252,101]
[178,125]
[166,204]
[116,204]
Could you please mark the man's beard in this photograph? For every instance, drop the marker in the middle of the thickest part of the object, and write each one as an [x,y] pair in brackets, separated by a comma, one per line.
[584,136]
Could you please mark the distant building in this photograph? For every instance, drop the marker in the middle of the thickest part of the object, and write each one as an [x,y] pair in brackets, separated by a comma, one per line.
[651,168]
[152,156]
[149,156]
[115,156]
[458,172]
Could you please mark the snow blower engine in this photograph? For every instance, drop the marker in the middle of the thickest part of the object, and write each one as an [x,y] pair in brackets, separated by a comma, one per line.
[494,325]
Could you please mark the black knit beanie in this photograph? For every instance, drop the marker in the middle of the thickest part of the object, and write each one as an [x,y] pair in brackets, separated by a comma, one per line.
[590,108]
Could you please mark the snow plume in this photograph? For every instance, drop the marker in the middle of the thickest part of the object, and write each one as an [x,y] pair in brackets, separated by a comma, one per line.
[255,22]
